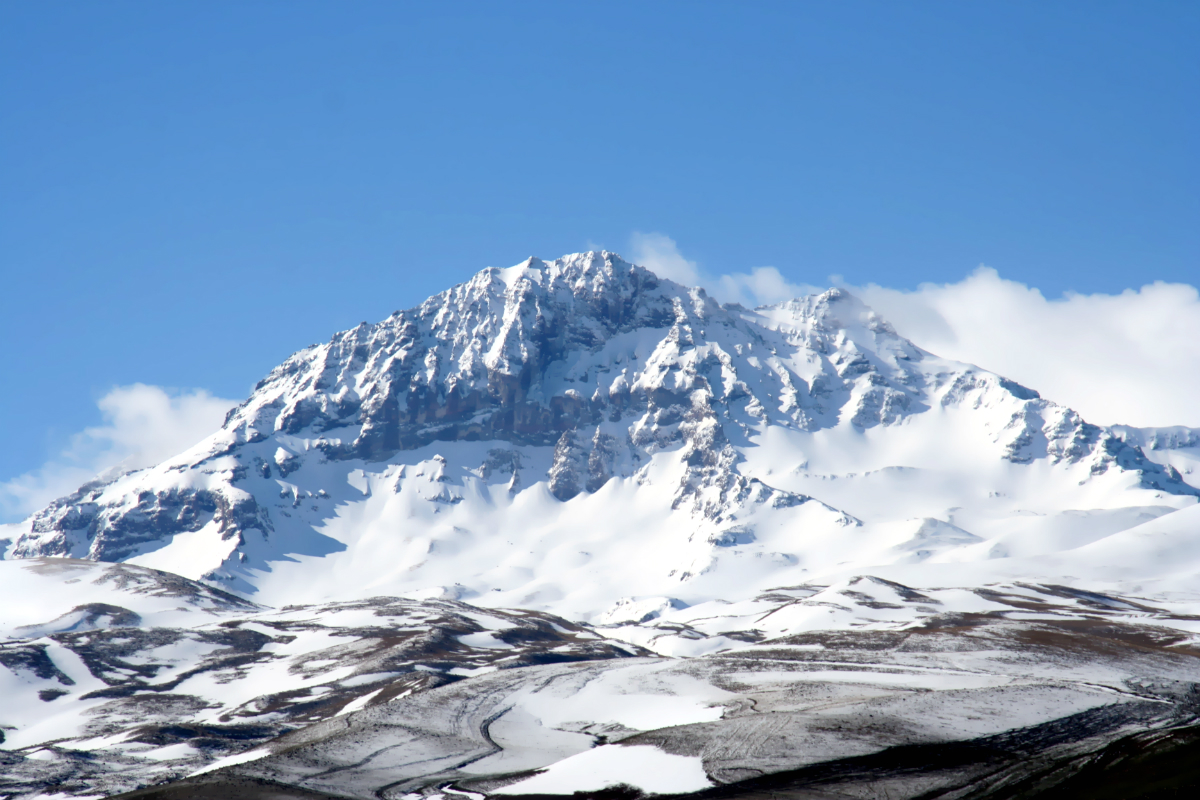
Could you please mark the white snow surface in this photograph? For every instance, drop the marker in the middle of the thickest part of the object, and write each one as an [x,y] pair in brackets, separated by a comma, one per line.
[641,766]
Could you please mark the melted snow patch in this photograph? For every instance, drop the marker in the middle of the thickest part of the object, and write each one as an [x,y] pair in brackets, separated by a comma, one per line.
[643,767]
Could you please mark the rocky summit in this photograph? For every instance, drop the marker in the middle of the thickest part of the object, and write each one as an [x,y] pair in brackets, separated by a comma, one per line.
[570,527]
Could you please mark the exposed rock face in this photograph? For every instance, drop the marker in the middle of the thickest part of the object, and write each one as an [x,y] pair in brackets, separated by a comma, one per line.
[79,524]
[470,363]
[569,467]
[598,362]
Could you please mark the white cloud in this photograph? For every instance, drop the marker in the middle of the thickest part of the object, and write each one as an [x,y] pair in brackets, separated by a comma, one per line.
[760,286]
[143,425]
[1130,358]
[660,254]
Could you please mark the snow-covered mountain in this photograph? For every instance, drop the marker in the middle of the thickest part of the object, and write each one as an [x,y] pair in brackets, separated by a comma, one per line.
[562,435]
[575,459]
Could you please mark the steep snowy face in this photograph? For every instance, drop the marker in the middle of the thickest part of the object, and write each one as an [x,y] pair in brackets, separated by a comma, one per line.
[474,362]
[579,431]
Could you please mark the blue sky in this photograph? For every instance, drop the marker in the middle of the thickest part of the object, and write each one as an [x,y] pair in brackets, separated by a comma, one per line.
[191,191]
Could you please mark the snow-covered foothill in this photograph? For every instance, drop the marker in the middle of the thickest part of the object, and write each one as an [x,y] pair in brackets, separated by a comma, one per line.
[1011,693]
[114,676]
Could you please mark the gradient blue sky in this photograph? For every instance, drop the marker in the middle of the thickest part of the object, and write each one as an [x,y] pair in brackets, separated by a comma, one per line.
[190,191]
